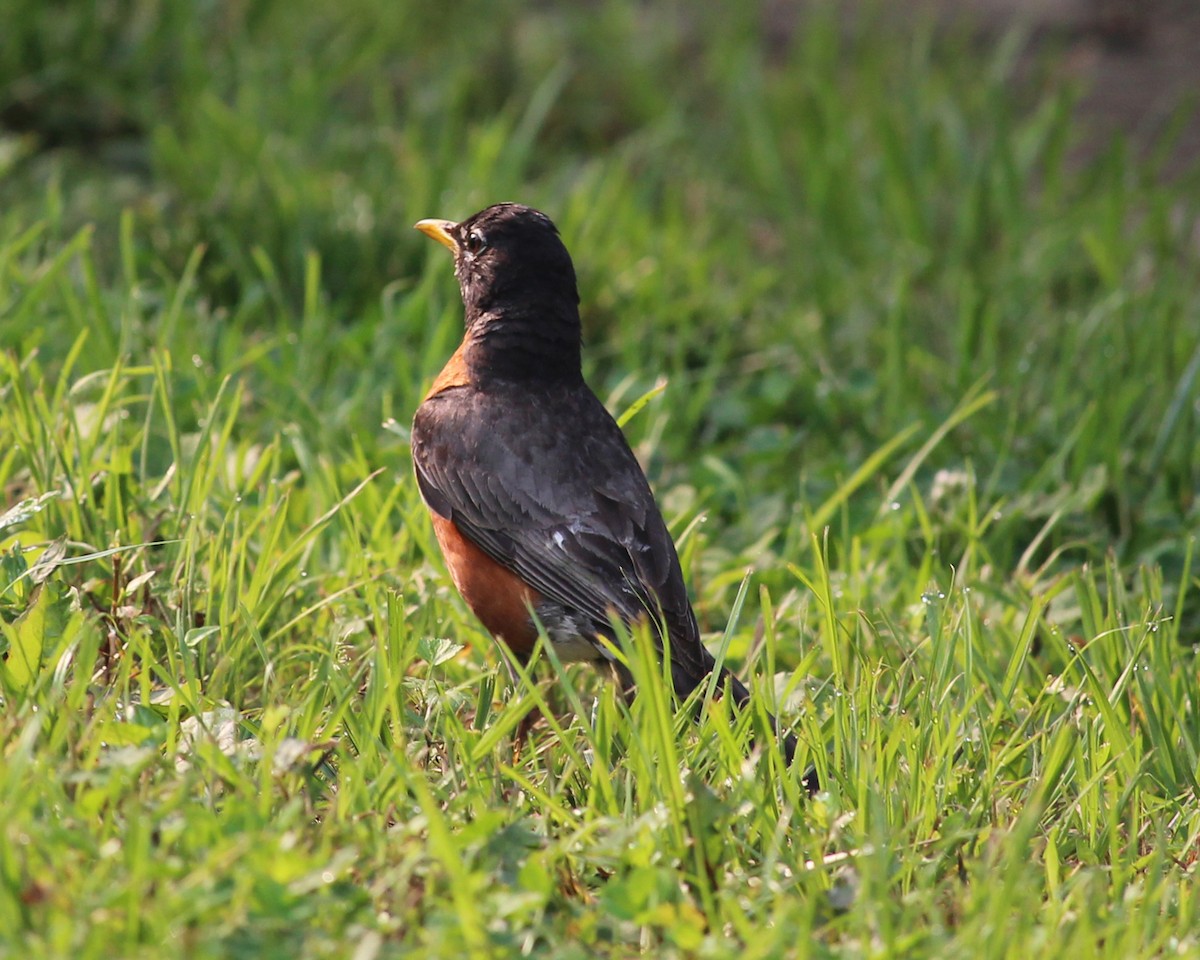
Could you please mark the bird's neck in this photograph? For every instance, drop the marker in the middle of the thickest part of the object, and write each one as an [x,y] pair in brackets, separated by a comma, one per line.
[524,345]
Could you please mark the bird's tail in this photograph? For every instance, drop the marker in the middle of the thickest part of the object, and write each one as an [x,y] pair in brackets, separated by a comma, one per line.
[685,683]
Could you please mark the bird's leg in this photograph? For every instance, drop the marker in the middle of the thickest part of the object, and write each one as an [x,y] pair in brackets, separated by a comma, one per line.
[525,727]
[624,680]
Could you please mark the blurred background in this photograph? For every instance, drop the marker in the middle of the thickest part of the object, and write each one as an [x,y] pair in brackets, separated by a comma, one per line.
[824,224]
[912,294]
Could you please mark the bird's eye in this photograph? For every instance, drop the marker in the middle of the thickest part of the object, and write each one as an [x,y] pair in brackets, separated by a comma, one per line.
[475,242]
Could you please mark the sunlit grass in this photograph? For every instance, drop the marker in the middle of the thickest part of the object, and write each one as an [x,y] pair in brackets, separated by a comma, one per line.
[918,399]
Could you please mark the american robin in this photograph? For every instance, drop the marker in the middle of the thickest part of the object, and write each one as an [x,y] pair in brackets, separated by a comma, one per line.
[540,507]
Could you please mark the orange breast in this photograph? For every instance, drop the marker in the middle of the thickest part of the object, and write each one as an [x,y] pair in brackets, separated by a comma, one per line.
[496,595]
[454,373]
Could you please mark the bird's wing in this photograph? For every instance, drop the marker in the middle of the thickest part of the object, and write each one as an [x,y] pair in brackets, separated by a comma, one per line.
[566,508]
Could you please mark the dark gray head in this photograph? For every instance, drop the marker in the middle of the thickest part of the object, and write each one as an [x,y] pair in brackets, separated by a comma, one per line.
[518,287]
[508,256]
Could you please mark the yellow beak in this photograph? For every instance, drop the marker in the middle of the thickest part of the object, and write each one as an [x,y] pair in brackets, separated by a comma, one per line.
[440,231]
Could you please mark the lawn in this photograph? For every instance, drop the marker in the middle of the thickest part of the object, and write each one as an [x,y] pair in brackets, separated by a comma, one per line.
[918,391]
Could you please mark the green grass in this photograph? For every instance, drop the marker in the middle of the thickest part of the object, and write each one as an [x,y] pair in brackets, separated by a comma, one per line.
[928,441]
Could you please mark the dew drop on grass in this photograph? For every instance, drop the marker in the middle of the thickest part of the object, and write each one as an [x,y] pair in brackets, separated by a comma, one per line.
[238,498]
[196,361]
[895,505]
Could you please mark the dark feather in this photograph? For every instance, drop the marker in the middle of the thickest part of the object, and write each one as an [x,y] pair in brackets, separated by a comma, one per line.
[578,525]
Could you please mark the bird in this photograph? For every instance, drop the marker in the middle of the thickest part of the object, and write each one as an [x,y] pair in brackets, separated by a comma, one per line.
[542,511]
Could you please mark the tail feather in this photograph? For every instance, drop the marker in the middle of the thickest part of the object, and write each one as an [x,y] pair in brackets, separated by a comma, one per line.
[685,683]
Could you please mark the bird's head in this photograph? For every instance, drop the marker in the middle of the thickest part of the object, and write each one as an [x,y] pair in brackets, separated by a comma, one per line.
[509,260]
